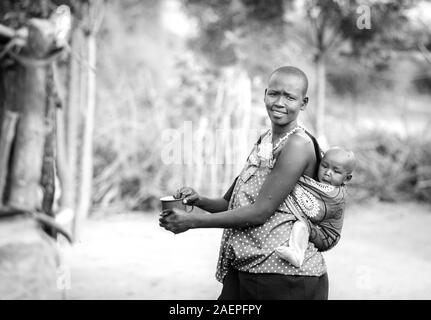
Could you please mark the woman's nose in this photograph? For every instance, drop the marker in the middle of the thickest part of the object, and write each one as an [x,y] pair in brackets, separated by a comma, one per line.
[280,100]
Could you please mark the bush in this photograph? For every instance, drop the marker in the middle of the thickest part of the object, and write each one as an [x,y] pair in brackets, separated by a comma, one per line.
[392,168]
[347,78]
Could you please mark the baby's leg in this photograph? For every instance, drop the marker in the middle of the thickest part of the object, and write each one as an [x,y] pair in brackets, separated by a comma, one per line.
[298,243]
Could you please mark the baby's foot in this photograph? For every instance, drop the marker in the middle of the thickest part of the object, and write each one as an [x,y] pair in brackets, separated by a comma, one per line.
[289,254]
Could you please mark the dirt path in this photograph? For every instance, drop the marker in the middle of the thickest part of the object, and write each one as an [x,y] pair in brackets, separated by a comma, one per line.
[384,253]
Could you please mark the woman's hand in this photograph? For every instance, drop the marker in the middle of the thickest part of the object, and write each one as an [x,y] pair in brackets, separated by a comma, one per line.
[189,196]
[176,220]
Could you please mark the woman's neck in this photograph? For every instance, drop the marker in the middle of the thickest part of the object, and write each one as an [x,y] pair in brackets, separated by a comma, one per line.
[278,131]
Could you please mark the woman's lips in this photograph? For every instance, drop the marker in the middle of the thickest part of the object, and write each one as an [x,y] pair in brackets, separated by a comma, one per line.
[278,113]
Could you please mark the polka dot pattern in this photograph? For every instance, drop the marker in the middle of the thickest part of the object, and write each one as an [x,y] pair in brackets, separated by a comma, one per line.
[252,249]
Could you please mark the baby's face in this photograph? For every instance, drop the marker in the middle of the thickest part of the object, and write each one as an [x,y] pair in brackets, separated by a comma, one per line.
[333,168]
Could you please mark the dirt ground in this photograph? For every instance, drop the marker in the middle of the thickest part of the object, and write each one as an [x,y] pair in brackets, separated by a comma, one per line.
[384,253]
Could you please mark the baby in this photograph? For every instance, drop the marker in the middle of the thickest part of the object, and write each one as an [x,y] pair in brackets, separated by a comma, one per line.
[318,201]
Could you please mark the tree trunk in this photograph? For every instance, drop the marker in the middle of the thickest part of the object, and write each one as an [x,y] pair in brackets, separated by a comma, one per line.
[321,96]
[67,132]
[26,193]
[28,258]
[48,168]
[87,143]
[26,168]
[8,128]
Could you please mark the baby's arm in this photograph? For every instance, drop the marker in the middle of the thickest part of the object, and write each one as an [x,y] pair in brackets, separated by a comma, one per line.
[326,233]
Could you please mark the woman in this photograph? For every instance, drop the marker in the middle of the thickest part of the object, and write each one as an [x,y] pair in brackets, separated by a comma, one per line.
[253,212]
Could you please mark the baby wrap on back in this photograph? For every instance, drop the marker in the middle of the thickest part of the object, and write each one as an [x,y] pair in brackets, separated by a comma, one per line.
[323,206]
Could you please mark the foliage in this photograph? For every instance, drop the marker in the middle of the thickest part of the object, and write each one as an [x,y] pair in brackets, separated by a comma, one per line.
[237,32]
[156,87]
[355,79]
[152,83]
[392,168]
[15,13]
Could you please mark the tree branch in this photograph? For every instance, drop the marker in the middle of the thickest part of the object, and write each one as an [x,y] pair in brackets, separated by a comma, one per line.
[425,52]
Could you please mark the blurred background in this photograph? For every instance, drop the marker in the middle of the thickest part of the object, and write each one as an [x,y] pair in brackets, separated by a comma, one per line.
[186,65]
[173,91]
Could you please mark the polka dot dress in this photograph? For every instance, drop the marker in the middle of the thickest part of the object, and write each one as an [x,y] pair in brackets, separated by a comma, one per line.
[252,249]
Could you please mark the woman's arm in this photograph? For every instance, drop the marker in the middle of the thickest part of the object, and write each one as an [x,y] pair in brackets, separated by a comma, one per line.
[294,158]
[212,205]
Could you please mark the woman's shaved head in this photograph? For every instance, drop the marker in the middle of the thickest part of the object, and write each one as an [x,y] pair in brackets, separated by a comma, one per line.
[289,70]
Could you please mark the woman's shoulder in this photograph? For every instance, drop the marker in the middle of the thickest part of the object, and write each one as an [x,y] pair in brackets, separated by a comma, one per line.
[298,141]
[301,136]
[298,148]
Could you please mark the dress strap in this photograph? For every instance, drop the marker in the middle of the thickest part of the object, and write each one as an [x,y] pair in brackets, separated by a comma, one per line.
[318,151]
[262,136]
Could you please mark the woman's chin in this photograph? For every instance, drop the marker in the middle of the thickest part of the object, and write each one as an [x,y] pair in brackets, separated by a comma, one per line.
[278,121]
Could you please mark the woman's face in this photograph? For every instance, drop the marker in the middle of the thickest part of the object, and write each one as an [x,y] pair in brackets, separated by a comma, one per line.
[284,98]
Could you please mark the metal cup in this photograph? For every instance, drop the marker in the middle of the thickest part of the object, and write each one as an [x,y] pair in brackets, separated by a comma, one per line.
[169,202]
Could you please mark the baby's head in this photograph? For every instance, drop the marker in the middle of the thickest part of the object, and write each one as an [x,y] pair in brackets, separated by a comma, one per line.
[336,166]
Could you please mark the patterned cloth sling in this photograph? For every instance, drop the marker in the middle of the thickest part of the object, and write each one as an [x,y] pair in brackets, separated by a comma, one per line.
[322,204]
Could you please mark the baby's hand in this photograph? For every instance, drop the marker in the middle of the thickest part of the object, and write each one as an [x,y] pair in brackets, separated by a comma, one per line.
[189,196]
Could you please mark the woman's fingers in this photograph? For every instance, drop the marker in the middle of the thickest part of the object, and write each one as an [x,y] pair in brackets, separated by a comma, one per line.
[177,194]
[185,192]
[168,227]
[191,198]
[167,216]
[166,212]
[181,192]
[165,224]
[172,220]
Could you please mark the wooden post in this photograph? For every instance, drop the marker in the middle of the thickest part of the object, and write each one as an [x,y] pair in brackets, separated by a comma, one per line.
[8,128]
[67,133]
[87,148]
[95,13]
[28,256]
[25,192]
[320,81]
[49,155]
[26,168]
